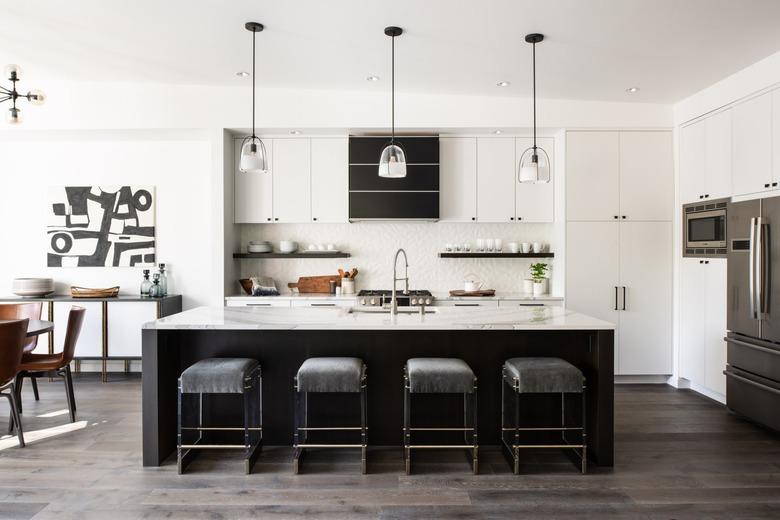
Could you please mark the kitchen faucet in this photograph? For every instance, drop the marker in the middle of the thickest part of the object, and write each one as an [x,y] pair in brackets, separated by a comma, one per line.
[394,299]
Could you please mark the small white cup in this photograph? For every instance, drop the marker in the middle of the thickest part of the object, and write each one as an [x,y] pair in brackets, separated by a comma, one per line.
[320,247]
[489,245]
[513,247]
[480,245]
[526,247]
[467,247]
[331,247]
[537,247]
[499,244]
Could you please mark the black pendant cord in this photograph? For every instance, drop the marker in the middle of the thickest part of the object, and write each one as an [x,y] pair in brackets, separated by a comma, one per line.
[534,89]
[392,89]
[254,34]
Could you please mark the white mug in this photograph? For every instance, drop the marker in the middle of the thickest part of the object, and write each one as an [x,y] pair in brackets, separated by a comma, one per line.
[513,247]
[499,244]
[480,245]
[489,245]
[526,247]
[537,247]
[471,286]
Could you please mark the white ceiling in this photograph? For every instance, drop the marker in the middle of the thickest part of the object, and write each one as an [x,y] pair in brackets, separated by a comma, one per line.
[594,49]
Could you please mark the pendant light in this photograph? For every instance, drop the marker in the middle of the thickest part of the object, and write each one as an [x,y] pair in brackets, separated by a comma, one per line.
[534,164]
[253,156]
[392,162]
[35,97]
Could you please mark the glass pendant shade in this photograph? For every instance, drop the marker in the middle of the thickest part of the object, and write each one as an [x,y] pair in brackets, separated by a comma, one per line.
[253,156]
[14,116]
[36,97]
[392,162]
[534,166]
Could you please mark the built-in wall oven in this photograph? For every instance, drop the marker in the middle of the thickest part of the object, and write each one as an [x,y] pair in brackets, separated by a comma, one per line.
[704,229]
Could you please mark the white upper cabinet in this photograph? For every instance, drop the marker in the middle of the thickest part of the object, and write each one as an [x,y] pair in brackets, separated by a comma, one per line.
[646,176]
[776,135]
[717,156]
[458,179]
[752,146]
[592,175]
[535,202]
[292,180]
[496,179]
[253,192]
[692,177]
[330,180]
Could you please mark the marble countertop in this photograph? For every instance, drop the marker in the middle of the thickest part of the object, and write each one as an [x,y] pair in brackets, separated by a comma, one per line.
[440,318]
[437,295]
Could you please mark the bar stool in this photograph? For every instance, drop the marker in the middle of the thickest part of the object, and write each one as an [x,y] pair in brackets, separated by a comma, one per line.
[541,375]
[237,376]
[328,374]
[441,376]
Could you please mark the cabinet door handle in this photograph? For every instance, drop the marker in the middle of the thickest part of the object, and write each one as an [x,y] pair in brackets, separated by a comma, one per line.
[258,304]
[707,196]
[511,218]
[624,297]
[276,218]
[269,219]
[615,216]
[616,297]
[323,304]
[624,216]
[473,218]
[314,219]
[466,305]
[774,184]
[766,185]
[701,197]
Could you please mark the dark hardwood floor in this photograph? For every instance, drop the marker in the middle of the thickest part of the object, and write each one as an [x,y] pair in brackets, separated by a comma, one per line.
[678,456]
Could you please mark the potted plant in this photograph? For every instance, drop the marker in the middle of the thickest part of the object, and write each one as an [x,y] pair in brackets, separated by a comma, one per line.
[540,282]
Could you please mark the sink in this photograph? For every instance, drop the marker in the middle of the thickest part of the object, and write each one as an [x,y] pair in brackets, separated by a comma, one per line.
[383,310]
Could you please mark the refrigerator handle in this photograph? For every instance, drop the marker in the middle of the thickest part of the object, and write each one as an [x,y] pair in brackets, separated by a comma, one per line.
[763,268]
[624,297]
[616,297]
[752,269]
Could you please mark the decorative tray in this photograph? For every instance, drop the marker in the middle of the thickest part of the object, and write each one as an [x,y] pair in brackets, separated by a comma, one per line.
[87,292]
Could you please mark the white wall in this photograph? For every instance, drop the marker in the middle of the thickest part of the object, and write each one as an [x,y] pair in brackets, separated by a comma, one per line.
[178,164]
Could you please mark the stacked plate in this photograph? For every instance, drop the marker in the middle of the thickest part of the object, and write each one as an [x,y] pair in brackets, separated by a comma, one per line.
[260,247]
[32,286]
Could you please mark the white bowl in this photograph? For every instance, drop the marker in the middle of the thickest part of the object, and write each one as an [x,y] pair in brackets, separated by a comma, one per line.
[32,286]
[288,246]
[259,248]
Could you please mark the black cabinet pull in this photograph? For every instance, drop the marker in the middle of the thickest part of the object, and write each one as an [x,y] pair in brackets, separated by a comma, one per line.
[511,218]
[269,219]
[706,261]
[707,196]
[701,261]
[701,197]
[624,297]
[314,219]
[774,184]
[276,218]
[519,218]
[615,216]
[473,218]
[616,297]
[624,216]
[766,185]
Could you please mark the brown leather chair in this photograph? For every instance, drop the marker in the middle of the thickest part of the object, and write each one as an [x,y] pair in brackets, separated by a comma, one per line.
[54,365]
[19,311]
[12,338]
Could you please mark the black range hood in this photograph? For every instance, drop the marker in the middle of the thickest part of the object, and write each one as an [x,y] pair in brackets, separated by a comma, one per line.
[414,197]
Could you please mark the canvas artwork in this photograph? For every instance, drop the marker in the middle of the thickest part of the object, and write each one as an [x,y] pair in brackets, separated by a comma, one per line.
[101,226]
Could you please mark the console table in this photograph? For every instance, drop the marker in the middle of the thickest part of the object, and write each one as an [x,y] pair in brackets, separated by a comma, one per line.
[112,326]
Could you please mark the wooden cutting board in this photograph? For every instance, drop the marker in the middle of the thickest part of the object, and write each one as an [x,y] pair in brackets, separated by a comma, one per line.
[315,284]
[484,292]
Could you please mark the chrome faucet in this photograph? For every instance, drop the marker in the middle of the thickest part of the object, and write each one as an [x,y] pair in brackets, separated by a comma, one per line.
[394,299]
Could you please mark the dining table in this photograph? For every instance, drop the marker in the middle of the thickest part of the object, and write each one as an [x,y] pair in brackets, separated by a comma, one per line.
[36,327]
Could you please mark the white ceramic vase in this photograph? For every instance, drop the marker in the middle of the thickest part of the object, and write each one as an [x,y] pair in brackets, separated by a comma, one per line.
[540,287]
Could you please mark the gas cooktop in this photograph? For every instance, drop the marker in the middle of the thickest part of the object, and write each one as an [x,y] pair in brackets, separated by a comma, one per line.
[399,292]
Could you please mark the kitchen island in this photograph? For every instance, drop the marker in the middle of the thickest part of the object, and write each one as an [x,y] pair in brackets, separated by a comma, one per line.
[282,338]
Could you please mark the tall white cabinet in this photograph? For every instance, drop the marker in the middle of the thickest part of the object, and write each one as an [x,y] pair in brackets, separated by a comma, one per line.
[458,179]
[620,192]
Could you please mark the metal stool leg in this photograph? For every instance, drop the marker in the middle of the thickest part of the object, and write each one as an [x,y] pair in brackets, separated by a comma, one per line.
[474,438]
[516,448]
[300,398]
[407,420]
[584,433]
[252,445]
[363,433]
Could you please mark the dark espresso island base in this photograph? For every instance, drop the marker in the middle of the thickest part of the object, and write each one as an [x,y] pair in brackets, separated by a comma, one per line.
[483,339]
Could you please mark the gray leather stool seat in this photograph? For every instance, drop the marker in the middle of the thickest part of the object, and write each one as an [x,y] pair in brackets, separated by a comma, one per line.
[544,375]
[439,376]
[218,376]
[331,374]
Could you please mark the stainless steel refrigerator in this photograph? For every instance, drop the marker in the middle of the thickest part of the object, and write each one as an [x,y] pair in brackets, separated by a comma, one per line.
[753,317]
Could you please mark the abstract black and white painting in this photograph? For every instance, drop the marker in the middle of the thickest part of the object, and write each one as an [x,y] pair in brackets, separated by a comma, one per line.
[101,226]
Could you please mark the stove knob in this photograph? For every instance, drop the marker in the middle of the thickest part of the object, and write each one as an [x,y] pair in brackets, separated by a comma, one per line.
[373,301]
[427,301]
[362,301]
[414,301]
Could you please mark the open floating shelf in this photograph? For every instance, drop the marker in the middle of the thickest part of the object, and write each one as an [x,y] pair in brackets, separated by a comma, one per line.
[318,254]
[462,254]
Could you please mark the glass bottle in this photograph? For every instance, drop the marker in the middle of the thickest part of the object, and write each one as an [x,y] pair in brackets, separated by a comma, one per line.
[163,281]
[146,285]
[155,291]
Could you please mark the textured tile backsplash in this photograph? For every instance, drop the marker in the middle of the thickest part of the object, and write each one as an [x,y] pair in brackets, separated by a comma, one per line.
[373,244]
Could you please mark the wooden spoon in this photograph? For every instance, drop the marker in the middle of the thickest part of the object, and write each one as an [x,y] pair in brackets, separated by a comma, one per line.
[341,272]
[354,273]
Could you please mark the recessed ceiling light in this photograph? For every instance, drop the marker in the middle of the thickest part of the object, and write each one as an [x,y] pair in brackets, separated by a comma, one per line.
[498,132]
[295,132]
[503,84]
[372,78]
[632,90]
[242,74]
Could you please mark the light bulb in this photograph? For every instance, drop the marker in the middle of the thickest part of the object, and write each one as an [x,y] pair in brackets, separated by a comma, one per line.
[36,97]
[14,116]
[13,71]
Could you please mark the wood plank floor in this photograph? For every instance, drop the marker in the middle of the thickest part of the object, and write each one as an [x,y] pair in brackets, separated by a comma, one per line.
[679,455]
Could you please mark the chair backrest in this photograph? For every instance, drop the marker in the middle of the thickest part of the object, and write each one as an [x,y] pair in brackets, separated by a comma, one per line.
[75,320]
[18,311]
[12,337]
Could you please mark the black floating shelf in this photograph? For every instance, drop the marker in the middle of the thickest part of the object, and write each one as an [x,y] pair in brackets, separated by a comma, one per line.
[495,255]
[323,254]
